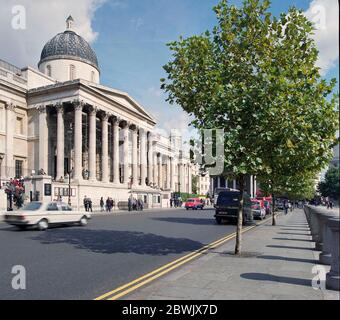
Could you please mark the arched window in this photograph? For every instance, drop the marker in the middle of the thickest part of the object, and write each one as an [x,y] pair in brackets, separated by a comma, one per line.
[93,76]
[49,70]
[72,72]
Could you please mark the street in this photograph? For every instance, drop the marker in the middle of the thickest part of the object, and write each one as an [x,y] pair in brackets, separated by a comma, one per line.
[86,262]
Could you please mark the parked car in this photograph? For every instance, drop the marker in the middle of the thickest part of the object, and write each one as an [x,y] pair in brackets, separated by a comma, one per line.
[42,215]
[194,204]
[227,205]
[259,210]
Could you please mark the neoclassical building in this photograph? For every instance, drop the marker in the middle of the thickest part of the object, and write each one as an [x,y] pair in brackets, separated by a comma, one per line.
[68,134]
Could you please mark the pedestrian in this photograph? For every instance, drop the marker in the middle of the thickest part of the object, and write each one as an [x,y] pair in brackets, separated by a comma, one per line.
[101,204]
[86,205]
[90,205]
[130,204]
[286,206]
[331,204]
[171,202]
[140,204]
[108,209]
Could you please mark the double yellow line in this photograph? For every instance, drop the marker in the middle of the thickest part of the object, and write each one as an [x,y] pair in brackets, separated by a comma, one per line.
[147,278]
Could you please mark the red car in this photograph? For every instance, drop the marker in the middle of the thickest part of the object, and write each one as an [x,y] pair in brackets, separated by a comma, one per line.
[194,204]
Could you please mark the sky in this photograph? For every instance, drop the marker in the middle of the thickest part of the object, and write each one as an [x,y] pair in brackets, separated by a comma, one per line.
[130,37]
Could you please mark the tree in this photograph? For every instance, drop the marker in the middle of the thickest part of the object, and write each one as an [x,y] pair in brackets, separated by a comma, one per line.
[254,76]
[330,187]
[195,186]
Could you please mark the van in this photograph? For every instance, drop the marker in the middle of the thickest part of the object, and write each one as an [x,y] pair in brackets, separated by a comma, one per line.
[227,204]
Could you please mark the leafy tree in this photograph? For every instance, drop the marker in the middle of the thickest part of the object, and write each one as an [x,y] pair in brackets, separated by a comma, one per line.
[195,187]
[254,76]
[330,187]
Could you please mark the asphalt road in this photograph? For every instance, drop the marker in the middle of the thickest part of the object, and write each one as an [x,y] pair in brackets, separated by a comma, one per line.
[86,262]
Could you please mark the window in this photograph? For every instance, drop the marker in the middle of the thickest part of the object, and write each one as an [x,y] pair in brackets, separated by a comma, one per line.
[52,207]
[32,206]
[18,168]
[93,76]
[72,72]
[49,70]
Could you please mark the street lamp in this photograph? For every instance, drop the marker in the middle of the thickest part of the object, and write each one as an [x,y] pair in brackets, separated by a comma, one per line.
[69,187]
[1,158]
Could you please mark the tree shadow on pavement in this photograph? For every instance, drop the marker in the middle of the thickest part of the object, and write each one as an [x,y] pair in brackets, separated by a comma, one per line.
[111,241]
[291,239]
[196,221]
[295,234]
[287,259]
[294,229]
[288,247]
[273,278]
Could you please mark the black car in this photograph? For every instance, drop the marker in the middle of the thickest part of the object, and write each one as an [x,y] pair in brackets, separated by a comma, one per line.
[227,204]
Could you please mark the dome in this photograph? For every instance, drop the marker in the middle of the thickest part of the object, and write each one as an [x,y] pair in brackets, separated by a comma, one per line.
[69,45]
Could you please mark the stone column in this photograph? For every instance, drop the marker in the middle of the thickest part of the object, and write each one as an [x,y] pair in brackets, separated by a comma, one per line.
[78,141]
[173,173]
[116,160]
[60,141]
[135,157]
[9,171]
[255,187]
[155,169]
[251,187]
[143,161]
[92,144]
[333,277]
[234,184]
[126,153]
[150,158]
[160,171]
[105,149]
[168,172]
[43,139]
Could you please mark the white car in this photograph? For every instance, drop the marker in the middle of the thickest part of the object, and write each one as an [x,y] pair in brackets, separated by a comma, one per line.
[42,215]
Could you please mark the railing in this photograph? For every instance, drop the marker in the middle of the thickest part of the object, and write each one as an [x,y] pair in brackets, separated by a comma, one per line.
[10,67]
[325,230]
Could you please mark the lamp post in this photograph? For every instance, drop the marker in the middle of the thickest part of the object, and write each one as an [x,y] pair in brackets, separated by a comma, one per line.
[69,188]
[1,158]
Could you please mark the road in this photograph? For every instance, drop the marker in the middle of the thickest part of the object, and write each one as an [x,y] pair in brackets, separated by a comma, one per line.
[86,262]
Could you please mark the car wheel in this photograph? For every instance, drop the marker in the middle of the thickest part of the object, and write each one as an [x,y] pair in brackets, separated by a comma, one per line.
[83,221]
[187,209]
[42,225]
[218,220]
[22,228]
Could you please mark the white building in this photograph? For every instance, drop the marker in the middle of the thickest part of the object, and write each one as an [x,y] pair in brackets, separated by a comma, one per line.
[203,181]
[59,119]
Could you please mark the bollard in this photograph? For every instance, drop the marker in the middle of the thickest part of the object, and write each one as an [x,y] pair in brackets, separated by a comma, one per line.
[325,256]
[333,277]
[314,226]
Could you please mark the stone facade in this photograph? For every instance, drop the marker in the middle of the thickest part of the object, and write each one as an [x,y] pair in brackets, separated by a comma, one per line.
[66,134]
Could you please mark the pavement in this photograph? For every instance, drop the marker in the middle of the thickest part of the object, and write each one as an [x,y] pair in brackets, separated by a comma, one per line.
[278,263]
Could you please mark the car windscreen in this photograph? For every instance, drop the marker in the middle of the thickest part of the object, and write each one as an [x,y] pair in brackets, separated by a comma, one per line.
[228,198]
[191,200]
[32,206]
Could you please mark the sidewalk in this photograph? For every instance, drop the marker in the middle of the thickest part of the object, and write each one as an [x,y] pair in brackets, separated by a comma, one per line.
[277,264]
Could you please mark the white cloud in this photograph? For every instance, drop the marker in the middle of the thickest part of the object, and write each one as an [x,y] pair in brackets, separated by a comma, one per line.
[325,15]
[44,19]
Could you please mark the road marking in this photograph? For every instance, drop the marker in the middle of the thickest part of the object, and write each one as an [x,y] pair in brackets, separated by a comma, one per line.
[149,277]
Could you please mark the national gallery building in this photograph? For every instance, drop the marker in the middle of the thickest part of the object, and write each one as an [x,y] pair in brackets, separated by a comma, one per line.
[65,133]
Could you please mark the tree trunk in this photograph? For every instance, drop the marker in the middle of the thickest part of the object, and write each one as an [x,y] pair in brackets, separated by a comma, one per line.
[273,215]
[238,244]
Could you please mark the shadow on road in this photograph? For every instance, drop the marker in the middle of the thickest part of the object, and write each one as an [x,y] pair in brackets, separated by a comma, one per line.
[195,221]
[287,259]
[110,241]
[294,229]
[273,278]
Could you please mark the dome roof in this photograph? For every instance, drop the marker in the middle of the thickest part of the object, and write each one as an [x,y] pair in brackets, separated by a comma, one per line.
[69,45]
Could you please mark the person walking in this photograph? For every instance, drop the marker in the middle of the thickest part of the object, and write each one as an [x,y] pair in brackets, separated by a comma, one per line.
[108,209]
[286,206]
[101,204]
[171,202]
[90,204]
[130,204]
[86,204]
